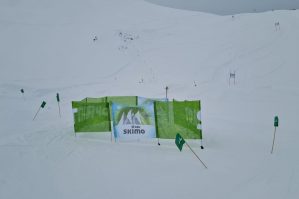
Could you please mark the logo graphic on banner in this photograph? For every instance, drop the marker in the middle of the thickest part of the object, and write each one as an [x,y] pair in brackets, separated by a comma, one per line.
[135,122]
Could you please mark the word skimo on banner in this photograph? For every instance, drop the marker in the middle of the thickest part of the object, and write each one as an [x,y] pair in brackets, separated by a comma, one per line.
[133,122]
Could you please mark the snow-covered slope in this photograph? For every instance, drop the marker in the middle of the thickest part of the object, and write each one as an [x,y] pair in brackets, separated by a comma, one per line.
[229,7]
[48,47]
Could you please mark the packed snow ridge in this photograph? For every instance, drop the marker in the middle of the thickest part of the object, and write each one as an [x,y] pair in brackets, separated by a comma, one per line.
[229,7]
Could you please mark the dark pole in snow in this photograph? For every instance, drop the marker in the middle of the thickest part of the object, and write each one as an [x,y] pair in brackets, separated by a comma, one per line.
[201,145]
[166,89]
[166,92]
[36,113]
[41,106]
[58,100]
[196,156]
[276,120]
[22,91]
[273,141]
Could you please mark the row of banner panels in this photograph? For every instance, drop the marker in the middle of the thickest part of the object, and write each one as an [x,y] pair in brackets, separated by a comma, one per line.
[138,117]
[94,114]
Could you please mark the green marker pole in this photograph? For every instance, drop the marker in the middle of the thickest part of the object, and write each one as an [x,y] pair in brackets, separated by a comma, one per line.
[276,120]
[179,141]
[196,155]
[58,100]
[41,106]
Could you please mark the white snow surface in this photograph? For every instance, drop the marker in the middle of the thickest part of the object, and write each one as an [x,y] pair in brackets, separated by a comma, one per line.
[229,7]
[47,47]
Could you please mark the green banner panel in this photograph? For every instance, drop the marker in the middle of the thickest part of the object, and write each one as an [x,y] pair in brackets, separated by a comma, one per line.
[91,116]
[95,100]
[174,117]
[171,117]
[133,122]
[125,100]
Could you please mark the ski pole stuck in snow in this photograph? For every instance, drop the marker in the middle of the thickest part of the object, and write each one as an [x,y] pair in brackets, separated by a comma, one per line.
[166,88]
[276,120]
[179,141]
[58,100]
[232,76]
[41,106]
[22,91]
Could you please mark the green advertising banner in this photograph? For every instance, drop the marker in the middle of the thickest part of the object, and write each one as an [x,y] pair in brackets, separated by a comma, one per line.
[178,116]
[94,114]
[144,100]
[133,122]
[91,116]
[168,117]
[125,100]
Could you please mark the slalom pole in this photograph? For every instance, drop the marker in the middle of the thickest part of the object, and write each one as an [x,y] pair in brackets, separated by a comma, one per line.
[22,91]
[36,113]
[110,120]
[112,131]
[276,121]
[201,146]
[273,141]
[41,106]
[166,88]
[196,156]
[59,109]
[58,100]
[166,96]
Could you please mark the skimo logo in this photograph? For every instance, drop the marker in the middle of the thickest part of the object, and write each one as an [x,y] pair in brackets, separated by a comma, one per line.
[134,130]
[132,118]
